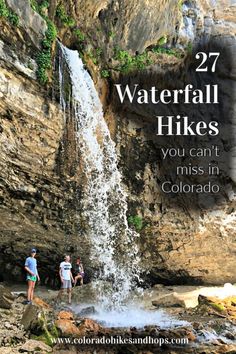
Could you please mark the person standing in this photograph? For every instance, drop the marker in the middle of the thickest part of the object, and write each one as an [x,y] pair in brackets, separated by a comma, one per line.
[79,272]
[32,275]
[66,278]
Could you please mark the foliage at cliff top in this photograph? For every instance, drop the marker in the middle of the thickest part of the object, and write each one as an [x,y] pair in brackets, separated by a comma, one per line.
[63,16]
[7,13]
[128,62]
[123,61]
[39,7]
[44,58]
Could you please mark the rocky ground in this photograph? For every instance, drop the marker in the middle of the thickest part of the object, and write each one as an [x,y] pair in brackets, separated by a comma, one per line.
[211,324]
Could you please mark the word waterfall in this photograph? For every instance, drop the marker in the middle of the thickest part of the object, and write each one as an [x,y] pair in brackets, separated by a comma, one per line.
[175,125]
[104,206]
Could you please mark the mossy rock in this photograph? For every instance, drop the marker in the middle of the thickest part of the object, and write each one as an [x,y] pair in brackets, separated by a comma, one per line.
[218,307]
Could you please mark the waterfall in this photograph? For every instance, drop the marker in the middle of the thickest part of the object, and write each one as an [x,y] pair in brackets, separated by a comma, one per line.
[104,207]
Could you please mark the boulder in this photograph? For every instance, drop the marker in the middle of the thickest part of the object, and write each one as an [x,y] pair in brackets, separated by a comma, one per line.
[88,326]
[30,20]
[6,298]
[67,327]
[65,315]
[86,311]
[32,346]
[221,307]
[86,293]
[169,300]
[8,350]
[41,303]
[30,317]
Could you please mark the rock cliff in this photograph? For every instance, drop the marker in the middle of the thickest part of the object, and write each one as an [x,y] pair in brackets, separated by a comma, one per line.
[39,176]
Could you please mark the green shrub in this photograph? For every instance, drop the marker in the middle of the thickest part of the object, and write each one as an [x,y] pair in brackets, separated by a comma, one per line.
[44,57]
[189,48]
[98,52]
[34,5]
[111,34]
[92,56]
[129,62]
[179,4]
[4,11]
[40,8]
[44,63]
[105,73]
[13,18]
[63,16]
[162,40]
[50,34]
[79,34]
[7,13]
[136,221]
[163,50]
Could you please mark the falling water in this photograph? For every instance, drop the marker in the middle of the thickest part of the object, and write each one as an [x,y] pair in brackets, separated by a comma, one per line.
[104,201]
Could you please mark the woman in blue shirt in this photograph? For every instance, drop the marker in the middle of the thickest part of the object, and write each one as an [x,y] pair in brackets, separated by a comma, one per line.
[32,275]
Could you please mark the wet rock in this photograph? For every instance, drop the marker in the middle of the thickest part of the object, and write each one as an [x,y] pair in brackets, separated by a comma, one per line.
[230,335]
[197,325]
[87,292]
[170,300]
[67,327]
[179,333]
[32,346]
[224,308]
[88,326]
[6,298]
[87,311]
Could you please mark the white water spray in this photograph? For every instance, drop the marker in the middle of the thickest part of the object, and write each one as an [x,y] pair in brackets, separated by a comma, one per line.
[104,201]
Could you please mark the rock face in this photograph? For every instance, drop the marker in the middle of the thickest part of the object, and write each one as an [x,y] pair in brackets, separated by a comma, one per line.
[37,191]
[6,298]
[39,174]
[34,345]
[119,23]
[184,239]
[33,23]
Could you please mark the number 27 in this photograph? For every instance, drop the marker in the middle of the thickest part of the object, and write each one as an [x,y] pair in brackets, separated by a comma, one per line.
[204,57]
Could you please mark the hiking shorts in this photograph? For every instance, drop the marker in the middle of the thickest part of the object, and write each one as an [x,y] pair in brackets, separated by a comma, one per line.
[31,277]
[66,284]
